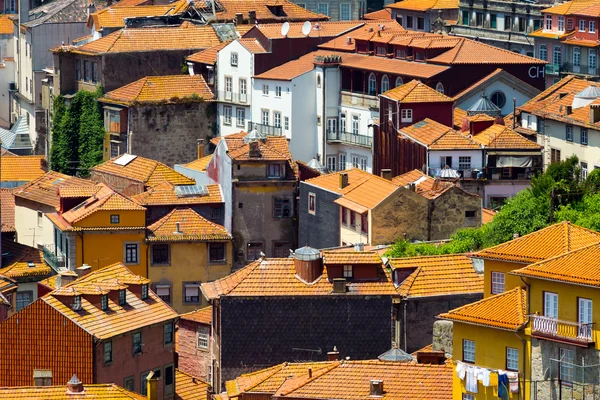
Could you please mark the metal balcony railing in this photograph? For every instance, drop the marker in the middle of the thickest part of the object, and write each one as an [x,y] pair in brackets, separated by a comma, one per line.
[349,138]
[552,69]
[233,97]
[583,69]
[55,259]
[268,130]
[551,328]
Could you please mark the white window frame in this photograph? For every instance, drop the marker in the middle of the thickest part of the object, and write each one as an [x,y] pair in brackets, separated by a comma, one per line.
[498,282]
[468,350]
[543,50]
[344,17]
[342,161]
[264,117]
[161,287]
[312,196]
[583,136]
[286,123]
[332,163]
[406,115]
[512,359]
[372,86]
[363,163]
[201,338]
[277,119]
[584,169]
[548,23]
[561,23]
[227,111]
[567,359]
[265,90]
[277,91]
[467,396]
[243,83]
[551,305]
[240,116]
[228,87]
[355,124]
[399,82]
[385,83]
[464,162]
[582,25]
[592,27]
[592,59]
[556,50]
[576,56]
[234,59]
[320,8]
[348,271]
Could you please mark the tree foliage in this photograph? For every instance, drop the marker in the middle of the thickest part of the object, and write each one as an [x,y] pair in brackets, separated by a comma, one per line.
[556,195]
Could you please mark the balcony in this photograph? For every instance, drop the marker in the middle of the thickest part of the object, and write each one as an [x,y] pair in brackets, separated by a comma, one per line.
[552,69]
[562,331]
[268,130]
[55,259]
[356,99]
[581,69]
[349,138]
[233,97]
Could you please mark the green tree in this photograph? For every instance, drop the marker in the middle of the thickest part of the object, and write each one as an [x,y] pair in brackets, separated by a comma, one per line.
[56,160]
[91,134]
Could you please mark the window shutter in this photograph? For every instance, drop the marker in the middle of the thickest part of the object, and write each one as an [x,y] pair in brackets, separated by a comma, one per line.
[192,291]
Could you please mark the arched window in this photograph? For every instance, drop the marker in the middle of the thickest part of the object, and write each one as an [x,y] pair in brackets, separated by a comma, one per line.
[385,84]
[399,82]
[498,98]
[372,84]
[439,87]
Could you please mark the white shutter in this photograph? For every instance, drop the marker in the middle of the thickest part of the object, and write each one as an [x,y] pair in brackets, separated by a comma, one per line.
[163,290]
[192,291]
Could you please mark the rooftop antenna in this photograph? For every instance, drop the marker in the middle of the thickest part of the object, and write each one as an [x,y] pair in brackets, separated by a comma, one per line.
[285,29]
[306,27]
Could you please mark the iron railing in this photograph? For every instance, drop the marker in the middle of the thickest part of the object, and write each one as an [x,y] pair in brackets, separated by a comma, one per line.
[233,97]
[349,138]
[269,130]
[54,259]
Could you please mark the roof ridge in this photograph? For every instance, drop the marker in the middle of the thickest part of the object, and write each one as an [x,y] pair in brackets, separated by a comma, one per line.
[315,376]
[411,281]
[164,220]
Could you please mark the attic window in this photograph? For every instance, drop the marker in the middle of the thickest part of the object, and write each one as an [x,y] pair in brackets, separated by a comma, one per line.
[348,271]
[144,291]
[30,264]
[104,302]
[77,303]
[122,297]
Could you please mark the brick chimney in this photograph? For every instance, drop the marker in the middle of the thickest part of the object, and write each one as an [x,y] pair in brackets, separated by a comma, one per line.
[200,148]
[74,386]
[239,18]
[343,180]
[254,150]
[333,355]
[84,270]
[66,277]
[252,17]
[386,174]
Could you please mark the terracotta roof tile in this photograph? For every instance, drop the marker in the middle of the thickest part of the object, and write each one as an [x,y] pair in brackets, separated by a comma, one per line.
[193,227]
[425,132]
[569,7]
[86,191]
[22,168]
[199,164]
[252,45]
[118,320]
[164,194]
[381,14]
[416,92]
[453,140]
[438,275]
[114,17]
[7,26]
[549,242]
[188,387]
[7,211]
[106,391]
[145,170]
[424,5]
[351,257]
[472,52]
[161,89]
[426,186]
[273,148]
[503,137]
[324,29]
[45,188]
[487,215]
[208,56]
[591,11]
[290,11]
[505,311]
[202,315]
[22,261]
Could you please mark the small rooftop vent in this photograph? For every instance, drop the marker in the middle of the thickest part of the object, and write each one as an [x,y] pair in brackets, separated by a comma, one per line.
[376,388]
[586,96]
[484,106]
[254,135]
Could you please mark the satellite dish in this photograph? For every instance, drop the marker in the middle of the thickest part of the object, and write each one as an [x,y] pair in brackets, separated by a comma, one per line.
[285,28]
[306,27]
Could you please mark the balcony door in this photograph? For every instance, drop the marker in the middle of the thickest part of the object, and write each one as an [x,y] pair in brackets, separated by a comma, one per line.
[332,125]
[585,318]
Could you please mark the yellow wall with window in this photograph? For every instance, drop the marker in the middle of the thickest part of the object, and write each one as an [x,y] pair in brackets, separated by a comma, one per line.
[187,262]
[510,281]
[490,352]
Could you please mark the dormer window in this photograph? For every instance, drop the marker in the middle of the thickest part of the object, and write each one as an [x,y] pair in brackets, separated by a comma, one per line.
[104,302]
[77,303]
[381,51]
[122,297]
[274,171]
[144,291]
[348,271]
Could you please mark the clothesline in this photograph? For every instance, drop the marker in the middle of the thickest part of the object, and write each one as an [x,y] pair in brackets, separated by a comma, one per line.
[475,374]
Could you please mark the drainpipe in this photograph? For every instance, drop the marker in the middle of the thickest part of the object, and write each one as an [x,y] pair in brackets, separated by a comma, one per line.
[323,120]
[527,313]
[404,326]
[82,251]
[129,133]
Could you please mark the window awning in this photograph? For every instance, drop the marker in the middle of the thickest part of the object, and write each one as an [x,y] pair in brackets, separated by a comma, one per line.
[351,205]
[514,161]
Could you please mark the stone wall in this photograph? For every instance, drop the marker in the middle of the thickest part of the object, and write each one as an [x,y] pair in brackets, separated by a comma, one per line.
[191,359]
[403,214]
[321,230]
[448,213]
[169,133]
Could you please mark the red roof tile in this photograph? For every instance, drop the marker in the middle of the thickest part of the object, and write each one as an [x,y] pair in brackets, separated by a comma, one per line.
[7,210]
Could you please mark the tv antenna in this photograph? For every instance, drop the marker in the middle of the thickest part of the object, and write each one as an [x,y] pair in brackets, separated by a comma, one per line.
[285,29]
[306,28]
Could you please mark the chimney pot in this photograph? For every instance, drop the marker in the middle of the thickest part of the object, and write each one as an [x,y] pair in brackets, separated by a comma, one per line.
[339,285]
[343,180]
[200,148]
[252,17]
[84,270]
[386,174]
[177,227]
[239,18]
[376,388]
[516,236]
[333,355]
[359,247]
[254,150]
[74,386]
[309,372]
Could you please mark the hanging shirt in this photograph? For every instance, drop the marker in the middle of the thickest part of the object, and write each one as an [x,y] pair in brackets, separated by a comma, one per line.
[471,385]
[461,370]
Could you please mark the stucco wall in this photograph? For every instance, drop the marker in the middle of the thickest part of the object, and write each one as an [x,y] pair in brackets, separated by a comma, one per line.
[191,359]
[26,223]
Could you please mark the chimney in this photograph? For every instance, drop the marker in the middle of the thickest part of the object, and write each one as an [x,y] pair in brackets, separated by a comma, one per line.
[359,247]
[74,386]
[309,372]
[568,110]
[376,388]
[308,264]
[252,17]
[349,40]
[91,8]
[412,186]
[177,228]
[343,180]
[339,285]
[84,270]
[66,277]
[42,377]
[254,150]
[333,355]
[239,18]
[152,386]
[516,235]
[386,174]
[200,148]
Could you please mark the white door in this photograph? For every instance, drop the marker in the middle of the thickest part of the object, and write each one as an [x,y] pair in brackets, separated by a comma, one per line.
[551,305]
[585,318]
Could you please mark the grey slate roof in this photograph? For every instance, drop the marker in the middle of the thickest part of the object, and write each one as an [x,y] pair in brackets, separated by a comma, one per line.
[396,355]
[17,138]
[484,106]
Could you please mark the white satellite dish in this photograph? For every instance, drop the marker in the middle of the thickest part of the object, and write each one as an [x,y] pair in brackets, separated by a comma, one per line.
[306,27]
[285,28]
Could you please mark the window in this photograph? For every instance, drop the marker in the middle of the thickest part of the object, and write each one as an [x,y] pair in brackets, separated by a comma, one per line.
[129,384]
[363,163]
[108,352]
[303,5]
[202,340]
[77,303]
[465,18]
[592,27]
[421,23]
[216,252]
[569,133]
[277,91]
[352,218]
[312,206]
[23,299]
[409,22]
[131,253]
[86,70]
[144,383]
[122,297]
[355,124]
[168,333]
[331,163]
[381,51]
[160,254]
[372,84]
[164,292]
[512,359]
[227,115]
[277,119]
[543,52]
[265,117]
[348,271]
[497,282]
[551,305]
[567,360]
[493,21]
[557,55]
[584,136]
[137,345]
[470,214]
[464,163]
[144,291]
[274,171]
[254,250]
[169,380]
[318,80]
[281,249]
[479,19]
[342,159]
[468,351]
[211,75]
[115,219]
[228,87]
[26,85]
[282,208]
[522,24]
[569,24]
[592,59]
[582,25]
[584,169]
[400,53]
[94,72]
[104,302]
[498,98]
[399,82]
[364,223]
[508,22]
[265,90]
[332,125]
[446,161]
[354,161]
[439,87]
[466,396]
[243,89]
[406,115]
[537,24]
[344,212]
[323,8]
[576,56]
[554,156]
[234,59]
[78,70]
[345,12]
[385,84]
[240,114]
[286,123]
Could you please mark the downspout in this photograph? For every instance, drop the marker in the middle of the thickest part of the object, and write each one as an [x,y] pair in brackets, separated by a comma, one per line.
[323,120]
[129,133]
[82,251]
[404,325]
[527,313]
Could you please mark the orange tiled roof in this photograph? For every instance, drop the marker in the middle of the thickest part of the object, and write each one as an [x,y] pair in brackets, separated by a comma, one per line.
[487,215]
[199,164]
[252,45]
[118,319]
[7,26]
[103,391]
[193,227]
[202,315]
[502,137]
[45,188]
[7,210]
[290,11]
[472,52]
[208,56]
[66,192]
[569,7]
[453,140]
[161,89]
[443,275]
[351,257]
[416,92]
[23,261]
[506,310]
[22,168]
[114,17]
[579,267]
[274,148]
[380,14]
[324,29]
[277,277]
[145,170]
[425,132]
[458,117]
[164,194]
[426,186]
[549,242]
[424,5]
[188,387]
[186,36]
